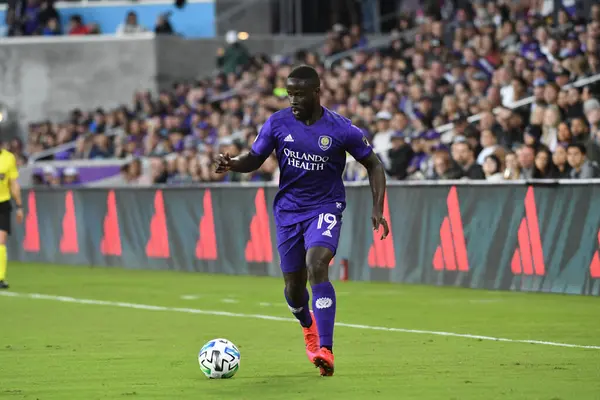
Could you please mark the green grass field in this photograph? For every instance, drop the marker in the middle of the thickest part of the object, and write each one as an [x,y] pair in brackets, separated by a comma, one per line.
[74,350]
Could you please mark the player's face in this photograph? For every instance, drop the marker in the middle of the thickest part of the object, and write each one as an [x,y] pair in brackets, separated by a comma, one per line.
[303,96]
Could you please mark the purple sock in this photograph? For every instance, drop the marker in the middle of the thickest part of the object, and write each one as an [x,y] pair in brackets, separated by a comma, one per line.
[300,311]
[324,309]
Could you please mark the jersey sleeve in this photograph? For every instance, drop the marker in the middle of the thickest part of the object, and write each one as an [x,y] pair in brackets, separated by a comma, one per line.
[264,144]
[13,172]
[357,144]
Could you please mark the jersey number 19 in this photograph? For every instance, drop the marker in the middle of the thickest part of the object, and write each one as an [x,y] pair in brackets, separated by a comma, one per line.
[330,220]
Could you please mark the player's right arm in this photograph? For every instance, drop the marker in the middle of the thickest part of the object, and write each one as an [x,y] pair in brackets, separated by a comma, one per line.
[244,163]
[262,148]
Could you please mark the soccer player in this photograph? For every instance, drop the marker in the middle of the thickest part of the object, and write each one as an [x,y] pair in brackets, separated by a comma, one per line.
[311,144]
[9,187]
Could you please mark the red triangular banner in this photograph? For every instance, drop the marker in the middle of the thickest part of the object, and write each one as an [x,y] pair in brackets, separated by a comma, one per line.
[158,244]
[111,239]
[31,241]
[438,259]
[68,242]
[515,264]
[206,246]
[258,248]
[451,254]
[595,264]
[528,258]
[381,252]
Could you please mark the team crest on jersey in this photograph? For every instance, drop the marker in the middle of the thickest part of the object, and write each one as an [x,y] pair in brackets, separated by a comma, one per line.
[324,142]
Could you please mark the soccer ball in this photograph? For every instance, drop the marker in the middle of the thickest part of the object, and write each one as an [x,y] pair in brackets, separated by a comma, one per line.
[219,359]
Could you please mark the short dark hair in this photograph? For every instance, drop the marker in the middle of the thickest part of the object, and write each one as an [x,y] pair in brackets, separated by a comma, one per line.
[529,146]
[472,132]
[495,158]
[469,147]
[578,118]
[579,146]
[553,85]
[521,81]
[305,72]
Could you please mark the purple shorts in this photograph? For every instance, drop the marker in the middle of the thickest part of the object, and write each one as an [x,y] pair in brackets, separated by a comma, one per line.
[293,241]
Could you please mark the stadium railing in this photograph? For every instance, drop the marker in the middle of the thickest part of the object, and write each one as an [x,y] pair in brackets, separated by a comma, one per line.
[372,45]
[441,129]
[523,102]
[54,150]
[474,118]
[92,172]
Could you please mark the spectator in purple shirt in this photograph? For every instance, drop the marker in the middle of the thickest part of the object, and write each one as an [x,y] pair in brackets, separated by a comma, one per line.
[30,18]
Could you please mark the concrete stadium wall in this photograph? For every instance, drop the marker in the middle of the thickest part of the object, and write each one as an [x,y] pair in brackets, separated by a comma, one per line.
[45,78]
[255,17]
[178,58]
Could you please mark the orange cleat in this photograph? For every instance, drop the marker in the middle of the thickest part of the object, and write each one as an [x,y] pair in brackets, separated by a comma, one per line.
[311,338]
[324,361]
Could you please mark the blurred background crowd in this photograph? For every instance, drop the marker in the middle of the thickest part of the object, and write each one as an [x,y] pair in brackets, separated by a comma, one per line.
[445,102]
[41,18]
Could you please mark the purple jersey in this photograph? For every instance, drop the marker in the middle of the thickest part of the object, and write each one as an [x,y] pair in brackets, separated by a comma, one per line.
[311,162]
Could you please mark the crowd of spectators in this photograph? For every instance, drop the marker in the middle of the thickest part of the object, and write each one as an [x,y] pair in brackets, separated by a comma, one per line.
[41,18]
[481,60]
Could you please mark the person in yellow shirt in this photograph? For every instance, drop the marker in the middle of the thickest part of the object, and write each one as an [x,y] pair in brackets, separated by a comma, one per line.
[9,189]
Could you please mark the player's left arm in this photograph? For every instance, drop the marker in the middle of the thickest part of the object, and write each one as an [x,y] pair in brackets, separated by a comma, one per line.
[15,188]
[358,146]
[377,181]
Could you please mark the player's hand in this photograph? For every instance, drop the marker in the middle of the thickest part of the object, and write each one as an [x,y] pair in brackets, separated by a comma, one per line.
[19,215]
[223,163]
[379,221]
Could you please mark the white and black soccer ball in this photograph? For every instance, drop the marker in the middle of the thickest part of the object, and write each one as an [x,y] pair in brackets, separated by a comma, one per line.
[219,359]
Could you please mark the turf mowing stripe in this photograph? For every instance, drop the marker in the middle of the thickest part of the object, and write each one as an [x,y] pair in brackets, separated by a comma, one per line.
[67,299]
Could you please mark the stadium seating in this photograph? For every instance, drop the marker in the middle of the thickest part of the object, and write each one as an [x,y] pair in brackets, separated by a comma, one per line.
[488,92]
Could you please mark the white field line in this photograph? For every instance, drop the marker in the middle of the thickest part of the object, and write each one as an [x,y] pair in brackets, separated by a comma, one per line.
[67,299]
[189,297]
